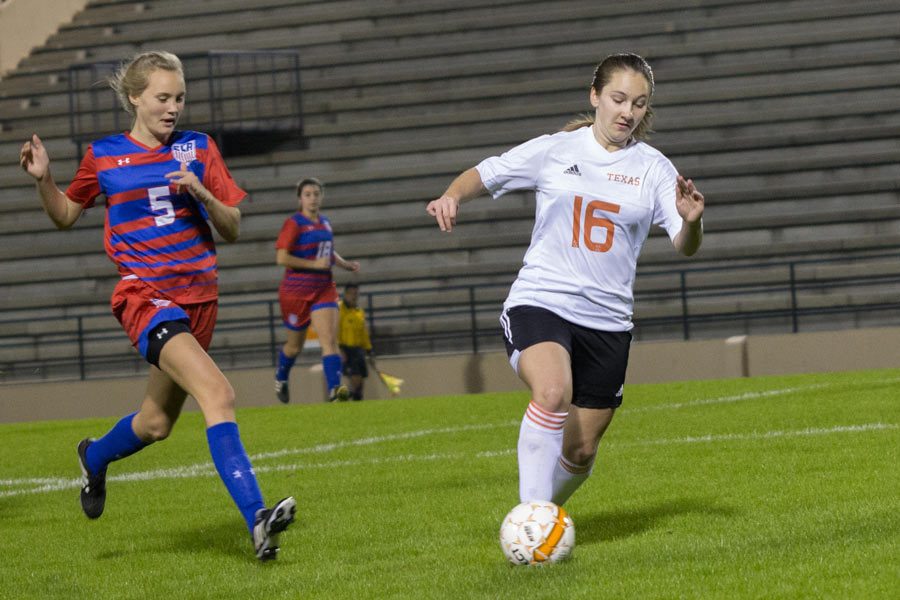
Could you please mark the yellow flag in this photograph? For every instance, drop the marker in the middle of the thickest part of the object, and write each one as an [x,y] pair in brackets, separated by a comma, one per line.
[392,383]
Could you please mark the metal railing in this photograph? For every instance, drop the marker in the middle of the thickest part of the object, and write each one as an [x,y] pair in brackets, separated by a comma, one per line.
[689,303]
[250,100]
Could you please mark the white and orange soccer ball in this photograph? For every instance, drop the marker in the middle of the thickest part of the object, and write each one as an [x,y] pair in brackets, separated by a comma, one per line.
[537,532]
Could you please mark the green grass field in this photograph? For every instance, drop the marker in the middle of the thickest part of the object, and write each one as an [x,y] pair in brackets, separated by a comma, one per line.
[780,487]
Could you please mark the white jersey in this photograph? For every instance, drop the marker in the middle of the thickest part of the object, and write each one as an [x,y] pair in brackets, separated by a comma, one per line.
[594,211]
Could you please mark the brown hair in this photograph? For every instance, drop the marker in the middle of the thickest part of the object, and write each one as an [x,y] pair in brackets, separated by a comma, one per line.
[133,76]
[309,181]
[602,75]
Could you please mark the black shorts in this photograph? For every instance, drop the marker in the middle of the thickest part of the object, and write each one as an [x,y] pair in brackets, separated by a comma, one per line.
[599,358]
[355,363]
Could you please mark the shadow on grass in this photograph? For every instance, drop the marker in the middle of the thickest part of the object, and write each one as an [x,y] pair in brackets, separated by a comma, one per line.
[225,538]
[617,524]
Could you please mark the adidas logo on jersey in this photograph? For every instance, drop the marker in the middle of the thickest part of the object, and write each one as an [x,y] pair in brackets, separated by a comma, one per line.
[573,170]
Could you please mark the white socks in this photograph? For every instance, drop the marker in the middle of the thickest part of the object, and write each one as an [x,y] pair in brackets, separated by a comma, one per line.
[544,473]
[567,477]
[540,447]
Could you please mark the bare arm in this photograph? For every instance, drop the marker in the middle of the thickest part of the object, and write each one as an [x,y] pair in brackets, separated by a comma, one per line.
[35,161]
[347,265]
[226,219]
[465,187]
[690,204]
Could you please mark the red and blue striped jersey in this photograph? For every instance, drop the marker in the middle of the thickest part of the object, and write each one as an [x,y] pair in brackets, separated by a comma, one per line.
[309,240]
[153,233]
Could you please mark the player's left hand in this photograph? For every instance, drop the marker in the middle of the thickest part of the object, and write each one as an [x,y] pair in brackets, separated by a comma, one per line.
[185,180]
[688,200]
[351,265]
[444,210]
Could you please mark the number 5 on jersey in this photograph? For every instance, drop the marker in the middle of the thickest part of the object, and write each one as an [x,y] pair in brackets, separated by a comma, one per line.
[592,221]
[159,202]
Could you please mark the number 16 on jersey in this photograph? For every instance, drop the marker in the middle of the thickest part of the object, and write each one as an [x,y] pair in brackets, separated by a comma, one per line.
[591,222]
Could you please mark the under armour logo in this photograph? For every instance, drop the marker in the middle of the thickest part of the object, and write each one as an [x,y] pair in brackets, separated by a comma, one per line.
[162,332]
[124,161]
[236,474]
[573,170]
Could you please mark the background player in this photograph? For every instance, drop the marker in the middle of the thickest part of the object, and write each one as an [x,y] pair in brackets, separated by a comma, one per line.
[307,294]
[162,186]
[567,318]
[353,340]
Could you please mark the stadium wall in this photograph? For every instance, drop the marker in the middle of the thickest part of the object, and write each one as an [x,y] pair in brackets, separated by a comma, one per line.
[26,24]
[650,362]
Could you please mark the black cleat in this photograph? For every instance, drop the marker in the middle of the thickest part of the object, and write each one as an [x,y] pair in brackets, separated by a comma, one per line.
[339,393]
[269,523]
[281,391]
[93,491]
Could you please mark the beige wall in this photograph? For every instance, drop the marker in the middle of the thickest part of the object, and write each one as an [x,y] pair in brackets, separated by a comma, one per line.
[26,24]
[465,373]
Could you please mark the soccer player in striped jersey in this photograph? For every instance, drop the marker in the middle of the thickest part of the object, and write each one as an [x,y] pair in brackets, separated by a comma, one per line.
[307,294]
[567,318]
[163,187]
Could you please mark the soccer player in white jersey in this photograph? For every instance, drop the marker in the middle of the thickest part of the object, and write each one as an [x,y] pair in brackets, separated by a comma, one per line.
[567,318]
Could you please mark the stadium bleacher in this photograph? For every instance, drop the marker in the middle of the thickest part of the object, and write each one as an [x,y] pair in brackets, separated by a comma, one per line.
[786,114]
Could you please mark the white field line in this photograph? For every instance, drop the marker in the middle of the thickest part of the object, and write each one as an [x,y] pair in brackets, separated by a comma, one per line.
[407,435]
[762,435]
[332,446]
[750,396]
[51,484]
[193,471]
[726,399]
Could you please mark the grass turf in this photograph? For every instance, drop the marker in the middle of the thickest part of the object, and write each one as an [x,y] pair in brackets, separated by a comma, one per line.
[757,488]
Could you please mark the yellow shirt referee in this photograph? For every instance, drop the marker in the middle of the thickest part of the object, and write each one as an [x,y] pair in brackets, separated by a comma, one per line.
[353,340]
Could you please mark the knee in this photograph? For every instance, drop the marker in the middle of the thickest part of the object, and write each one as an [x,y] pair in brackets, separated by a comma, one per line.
[581,454]
[217,396]
[222,395]
[552,397]
[155,428]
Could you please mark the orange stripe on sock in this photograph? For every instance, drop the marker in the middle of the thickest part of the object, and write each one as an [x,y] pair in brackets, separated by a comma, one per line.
[573,468]
[546,413]
[545,419]
[539,421]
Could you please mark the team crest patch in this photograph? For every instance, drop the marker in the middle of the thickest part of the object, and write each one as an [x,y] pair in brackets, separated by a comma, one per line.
[186,152]
[160,303]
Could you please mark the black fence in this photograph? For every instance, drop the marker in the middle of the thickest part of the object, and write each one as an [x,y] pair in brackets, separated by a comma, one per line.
[717,302]
[249,101]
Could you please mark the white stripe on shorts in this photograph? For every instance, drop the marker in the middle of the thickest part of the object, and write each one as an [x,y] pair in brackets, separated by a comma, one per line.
[504,322]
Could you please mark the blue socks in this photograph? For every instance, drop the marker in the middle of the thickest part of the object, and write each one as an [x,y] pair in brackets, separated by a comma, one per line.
[234,468]
[331,366]
[284,366]
[228,454]
[119,442]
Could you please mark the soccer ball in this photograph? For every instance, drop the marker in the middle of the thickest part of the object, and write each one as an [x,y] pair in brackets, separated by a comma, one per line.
[537,532]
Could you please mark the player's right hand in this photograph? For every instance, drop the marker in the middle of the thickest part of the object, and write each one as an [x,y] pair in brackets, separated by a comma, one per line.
[33,158]
[444,210]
